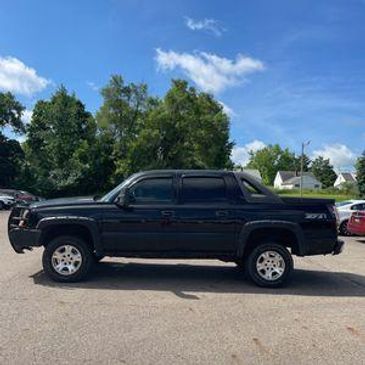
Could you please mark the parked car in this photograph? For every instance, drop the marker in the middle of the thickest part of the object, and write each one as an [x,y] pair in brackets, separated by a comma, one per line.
[345,210]
[356,224]
[20,196]
[182,214]
[6,201]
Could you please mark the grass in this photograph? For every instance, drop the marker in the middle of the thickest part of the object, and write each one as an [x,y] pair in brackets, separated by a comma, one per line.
[324,194]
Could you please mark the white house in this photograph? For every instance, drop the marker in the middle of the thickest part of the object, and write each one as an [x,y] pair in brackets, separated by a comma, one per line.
[291,180]
[344,177]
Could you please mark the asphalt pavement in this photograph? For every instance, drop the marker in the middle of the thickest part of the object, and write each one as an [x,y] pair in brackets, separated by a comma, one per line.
[182,312]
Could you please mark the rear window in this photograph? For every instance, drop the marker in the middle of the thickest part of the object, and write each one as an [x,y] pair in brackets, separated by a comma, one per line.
[203,189]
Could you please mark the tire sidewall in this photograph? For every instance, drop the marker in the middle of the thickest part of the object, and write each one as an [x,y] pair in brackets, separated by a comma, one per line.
[87,259]
[342,226]
[252,269]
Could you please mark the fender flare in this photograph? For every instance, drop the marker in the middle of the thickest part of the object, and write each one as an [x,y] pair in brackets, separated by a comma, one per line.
[89,223]
[250,227]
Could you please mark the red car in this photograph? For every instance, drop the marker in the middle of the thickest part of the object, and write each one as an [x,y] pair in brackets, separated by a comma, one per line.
[356,224]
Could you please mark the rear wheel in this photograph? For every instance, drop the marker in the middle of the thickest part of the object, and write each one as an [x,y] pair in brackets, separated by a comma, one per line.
[343,229]
[1,205]
[269,265]
[67,259]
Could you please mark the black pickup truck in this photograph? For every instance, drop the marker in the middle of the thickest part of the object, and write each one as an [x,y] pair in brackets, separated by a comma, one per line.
[179,214]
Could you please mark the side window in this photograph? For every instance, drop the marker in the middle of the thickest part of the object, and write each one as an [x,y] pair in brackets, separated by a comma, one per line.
[358,207]
[203,189]
[153,190]
[252,189]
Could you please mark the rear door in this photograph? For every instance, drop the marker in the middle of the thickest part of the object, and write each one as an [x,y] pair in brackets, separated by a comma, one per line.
[205,216]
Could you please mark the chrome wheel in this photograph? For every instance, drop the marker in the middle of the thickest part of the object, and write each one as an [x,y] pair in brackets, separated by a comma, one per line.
[270,265]
[66,260]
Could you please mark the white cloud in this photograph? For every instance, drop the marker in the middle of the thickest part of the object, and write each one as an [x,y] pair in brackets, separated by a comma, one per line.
[208,25]
[93,86]
[27,116]
[18,78]
[209,72]
[241,154]
[228,110]
[340,156]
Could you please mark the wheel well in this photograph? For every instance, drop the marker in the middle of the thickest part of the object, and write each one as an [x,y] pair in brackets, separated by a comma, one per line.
[76,230]
[282,236]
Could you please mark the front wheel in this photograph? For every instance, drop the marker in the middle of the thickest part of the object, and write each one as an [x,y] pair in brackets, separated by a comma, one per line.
[269,265]
[67,259]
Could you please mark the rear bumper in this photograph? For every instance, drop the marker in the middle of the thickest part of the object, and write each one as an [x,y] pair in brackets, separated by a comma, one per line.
[23,238]
[324,246]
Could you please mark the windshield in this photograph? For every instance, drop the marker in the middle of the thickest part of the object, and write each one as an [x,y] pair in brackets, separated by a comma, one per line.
[113,193]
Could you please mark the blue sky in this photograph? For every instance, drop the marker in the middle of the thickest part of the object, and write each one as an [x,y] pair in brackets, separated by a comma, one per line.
[287,71]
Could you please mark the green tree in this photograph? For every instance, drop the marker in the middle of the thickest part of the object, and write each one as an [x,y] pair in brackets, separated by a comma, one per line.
[11,112]
[60,136]
[11,156]
[270,159]
[11,153]
[360,172]
[120,118]
[323,171]
[186,129]
[306,163]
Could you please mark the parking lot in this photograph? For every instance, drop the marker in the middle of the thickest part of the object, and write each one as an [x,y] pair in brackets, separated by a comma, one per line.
[188,312]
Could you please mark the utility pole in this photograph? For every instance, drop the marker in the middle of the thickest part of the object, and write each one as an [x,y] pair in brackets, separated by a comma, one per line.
[304,144]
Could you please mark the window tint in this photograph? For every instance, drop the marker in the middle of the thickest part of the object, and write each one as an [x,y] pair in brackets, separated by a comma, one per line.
[252,189]
[152,190]
[203,189]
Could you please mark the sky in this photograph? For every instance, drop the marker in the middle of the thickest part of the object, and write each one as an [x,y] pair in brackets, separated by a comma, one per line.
[285,71]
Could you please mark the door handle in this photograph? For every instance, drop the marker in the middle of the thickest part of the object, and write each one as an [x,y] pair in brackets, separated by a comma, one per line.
[221,213]
[167,213]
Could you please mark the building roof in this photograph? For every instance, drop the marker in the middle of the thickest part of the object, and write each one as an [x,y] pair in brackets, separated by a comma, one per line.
[288,175]
[348,176]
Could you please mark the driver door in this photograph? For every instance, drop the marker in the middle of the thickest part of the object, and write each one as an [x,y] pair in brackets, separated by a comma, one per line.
[148,222]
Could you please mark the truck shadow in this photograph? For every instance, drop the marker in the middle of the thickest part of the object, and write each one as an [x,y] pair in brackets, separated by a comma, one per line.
[186,280]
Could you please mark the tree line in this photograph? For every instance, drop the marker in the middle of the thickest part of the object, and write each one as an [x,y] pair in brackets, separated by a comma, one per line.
[272,158]
[69,151]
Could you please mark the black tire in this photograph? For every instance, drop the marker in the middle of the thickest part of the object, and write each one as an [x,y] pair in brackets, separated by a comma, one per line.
[257,276]
[83,249]
[1,205]
[343,229]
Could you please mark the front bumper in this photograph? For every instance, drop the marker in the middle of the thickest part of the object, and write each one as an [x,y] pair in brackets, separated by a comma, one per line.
[24,238]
